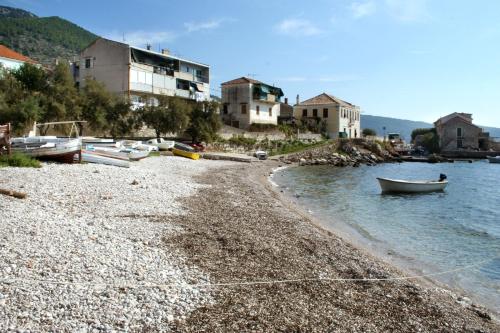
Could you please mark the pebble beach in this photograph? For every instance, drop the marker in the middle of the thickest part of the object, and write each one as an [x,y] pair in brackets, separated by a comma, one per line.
[178,245]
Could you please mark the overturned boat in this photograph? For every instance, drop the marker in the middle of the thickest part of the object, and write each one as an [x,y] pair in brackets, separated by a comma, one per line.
[181,149]
[412,186]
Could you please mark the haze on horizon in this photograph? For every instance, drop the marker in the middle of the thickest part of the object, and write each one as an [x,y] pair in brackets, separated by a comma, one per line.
[409,59]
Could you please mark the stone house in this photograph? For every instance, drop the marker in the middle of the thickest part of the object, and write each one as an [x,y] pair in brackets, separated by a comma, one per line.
[457,132]
[342,118]
[246,101]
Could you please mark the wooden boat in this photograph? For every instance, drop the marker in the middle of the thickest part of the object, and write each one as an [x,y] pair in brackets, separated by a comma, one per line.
[189,154]
[49,148]
[90,156]
[119,153]
[98,142]
[494,159]
[414,186]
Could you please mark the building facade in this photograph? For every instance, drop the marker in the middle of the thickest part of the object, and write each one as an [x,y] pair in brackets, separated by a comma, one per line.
[247,101]
[12,60]
[342,119]
[457,132]
[141,73]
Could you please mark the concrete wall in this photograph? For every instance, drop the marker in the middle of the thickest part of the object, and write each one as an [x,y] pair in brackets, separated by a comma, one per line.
[10,63]
[109,65]
[448,135]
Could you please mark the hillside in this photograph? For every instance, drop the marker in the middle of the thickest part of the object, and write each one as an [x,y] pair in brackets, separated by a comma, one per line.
[404,127]
[41,38]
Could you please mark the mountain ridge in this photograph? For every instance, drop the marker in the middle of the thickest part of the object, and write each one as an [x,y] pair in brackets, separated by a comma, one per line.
[42,38]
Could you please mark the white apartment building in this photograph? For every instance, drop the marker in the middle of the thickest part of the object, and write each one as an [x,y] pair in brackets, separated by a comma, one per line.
[247,101]
[342,118]
[142,73]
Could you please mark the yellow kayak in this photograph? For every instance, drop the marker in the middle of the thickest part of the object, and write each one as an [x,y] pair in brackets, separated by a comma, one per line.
[188,154]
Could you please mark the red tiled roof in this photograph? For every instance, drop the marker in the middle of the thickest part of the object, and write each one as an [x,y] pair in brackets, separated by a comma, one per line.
[5,52]
[241,80]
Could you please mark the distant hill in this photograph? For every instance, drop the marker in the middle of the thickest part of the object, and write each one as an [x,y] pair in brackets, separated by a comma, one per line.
[41,38]
[392,125]
[404,127]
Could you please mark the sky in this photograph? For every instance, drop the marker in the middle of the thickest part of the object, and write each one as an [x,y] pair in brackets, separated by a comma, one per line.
[409,59]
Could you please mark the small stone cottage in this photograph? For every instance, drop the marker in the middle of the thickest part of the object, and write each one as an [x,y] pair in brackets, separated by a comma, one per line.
[457,132]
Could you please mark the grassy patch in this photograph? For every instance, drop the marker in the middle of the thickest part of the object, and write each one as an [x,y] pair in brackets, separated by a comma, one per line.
[154,154]
[19,160]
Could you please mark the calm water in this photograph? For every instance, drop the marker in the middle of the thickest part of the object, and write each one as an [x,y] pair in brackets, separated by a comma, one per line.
[433,232]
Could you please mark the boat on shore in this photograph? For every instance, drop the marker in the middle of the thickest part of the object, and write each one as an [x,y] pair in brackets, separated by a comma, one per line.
[161,143]
[181,149]
[90,156]
[48,148]
[493,159]
[414,186]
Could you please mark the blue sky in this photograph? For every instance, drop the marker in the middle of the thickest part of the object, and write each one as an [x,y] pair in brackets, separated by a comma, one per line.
[411,59]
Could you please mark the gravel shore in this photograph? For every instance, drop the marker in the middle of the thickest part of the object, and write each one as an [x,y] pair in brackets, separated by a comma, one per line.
[157,247]
[244,231]
[77,252]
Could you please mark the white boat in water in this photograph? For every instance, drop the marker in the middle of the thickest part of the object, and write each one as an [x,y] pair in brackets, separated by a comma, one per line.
[494,159]
[413,186]
[95,157]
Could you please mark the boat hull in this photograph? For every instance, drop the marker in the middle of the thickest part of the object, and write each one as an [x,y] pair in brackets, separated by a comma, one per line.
[188,154]
[495,160]
[57,150]
[401,186]
[93,157]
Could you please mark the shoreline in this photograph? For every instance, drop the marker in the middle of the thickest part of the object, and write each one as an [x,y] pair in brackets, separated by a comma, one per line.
[253,234]
[178,245]
[409,265]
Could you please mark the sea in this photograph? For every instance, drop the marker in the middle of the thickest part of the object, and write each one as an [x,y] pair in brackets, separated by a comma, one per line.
[452,236]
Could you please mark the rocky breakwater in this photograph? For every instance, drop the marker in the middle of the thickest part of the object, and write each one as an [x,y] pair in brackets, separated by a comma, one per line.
[343,153]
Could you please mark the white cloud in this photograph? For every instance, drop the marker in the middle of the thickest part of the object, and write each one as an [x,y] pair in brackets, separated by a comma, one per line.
[141,38]
[198,26]
[297,27]
[408,10]
[362,9]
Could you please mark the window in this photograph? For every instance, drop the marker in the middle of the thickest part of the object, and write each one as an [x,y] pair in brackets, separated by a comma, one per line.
[270,112]
[304,113]
[325,113]
[460,143]
[459,132]
[315,112]
[257,110]
[88,62]
[224,108]
[243,109]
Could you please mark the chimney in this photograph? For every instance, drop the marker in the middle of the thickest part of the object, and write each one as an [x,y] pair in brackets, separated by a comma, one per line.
[286,100]
[298,99]
[148,47]
[165,51]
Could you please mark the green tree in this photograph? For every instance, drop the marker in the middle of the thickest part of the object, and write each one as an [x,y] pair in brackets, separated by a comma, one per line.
[120,119]
[166,115]
[205,122]
[97,102]
[33,78]
[369,132]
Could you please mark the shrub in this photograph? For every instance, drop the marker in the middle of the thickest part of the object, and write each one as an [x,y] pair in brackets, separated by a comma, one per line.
[369,132]
[255,127]
[19,160]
